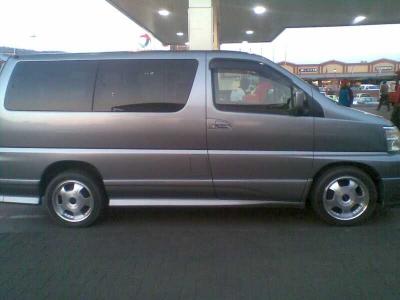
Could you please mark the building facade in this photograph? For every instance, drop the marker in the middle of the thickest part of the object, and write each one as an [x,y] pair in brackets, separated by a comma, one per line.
[382,69]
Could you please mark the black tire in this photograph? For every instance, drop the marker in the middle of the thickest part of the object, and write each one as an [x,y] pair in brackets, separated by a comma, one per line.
[322,193]
[91,190]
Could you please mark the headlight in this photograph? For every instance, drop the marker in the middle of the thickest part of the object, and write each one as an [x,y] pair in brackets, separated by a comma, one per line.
[392,139]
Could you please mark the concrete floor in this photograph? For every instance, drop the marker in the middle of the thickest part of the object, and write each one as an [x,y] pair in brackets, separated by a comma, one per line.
[383,112]
[213,253]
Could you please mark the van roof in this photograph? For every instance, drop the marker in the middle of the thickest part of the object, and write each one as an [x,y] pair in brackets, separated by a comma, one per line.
[127,54]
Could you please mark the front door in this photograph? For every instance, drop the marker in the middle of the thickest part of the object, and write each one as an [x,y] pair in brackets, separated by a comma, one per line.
[260,145]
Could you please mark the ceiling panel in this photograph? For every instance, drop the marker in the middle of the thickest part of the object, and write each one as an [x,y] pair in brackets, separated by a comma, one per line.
[237,16]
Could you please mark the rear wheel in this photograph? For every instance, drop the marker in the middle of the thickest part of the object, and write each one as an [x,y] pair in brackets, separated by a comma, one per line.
[344,196]
[74,198]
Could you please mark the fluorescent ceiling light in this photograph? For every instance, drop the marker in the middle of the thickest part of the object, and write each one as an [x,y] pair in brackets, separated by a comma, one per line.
[359,19]
[249,32]
[179,33]
[163,12]
[259,10]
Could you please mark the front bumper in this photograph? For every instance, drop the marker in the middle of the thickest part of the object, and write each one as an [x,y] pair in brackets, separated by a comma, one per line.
[390,192]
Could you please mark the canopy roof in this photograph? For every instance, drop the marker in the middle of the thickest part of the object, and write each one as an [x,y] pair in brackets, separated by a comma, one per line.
[237,16]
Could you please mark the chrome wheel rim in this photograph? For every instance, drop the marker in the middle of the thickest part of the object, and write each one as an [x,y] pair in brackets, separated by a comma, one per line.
[72,201]
[346,198]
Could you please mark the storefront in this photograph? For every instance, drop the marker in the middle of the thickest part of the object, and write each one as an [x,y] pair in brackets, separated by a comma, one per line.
[338,70]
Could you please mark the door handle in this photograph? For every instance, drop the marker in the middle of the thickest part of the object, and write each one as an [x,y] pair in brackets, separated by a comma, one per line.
[219,124]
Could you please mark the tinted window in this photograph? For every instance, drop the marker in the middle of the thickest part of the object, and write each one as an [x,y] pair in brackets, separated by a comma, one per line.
[144,85]
[51,86]
[249,91]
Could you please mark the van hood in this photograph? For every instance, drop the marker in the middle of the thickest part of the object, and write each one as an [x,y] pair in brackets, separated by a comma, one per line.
[333,110]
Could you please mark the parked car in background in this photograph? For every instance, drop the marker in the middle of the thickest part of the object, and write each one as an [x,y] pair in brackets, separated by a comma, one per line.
[365,99]
[333,97]
[369,87]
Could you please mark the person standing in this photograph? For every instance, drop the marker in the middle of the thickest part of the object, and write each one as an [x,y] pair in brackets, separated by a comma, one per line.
[345,94]
[384,98]
[351,95]
[396,107]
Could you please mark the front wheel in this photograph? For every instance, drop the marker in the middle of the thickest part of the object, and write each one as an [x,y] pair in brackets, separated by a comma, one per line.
[74,198]
[344,196]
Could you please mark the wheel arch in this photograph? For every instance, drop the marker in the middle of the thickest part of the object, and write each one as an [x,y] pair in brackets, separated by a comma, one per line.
[362,166]
[65,165]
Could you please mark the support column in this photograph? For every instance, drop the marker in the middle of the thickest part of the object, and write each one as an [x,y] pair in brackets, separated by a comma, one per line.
[203,20]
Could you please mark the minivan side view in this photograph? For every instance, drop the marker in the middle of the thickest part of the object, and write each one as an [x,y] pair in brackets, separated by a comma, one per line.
[80,132]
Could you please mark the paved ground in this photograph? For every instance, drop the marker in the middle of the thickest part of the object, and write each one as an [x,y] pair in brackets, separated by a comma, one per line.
[230,253]
[383,112]
[246,253]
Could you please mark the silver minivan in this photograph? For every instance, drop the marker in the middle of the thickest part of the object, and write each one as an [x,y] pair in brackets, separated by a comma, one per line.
[80,132]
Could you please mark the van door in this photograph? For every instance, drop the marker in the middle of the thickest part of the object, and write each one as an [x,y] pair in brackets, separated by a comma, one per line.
[260,145]
[155,108]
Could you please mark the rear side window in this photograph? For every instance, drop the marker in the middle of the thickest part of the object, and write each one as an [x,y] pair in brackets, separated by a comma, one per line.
[51,86]
[144,85]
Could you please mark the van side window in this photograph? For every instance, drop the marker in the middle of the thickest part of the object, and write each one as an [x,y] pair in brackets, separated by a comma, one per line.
[51,86]
[144,85]
[249,91]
